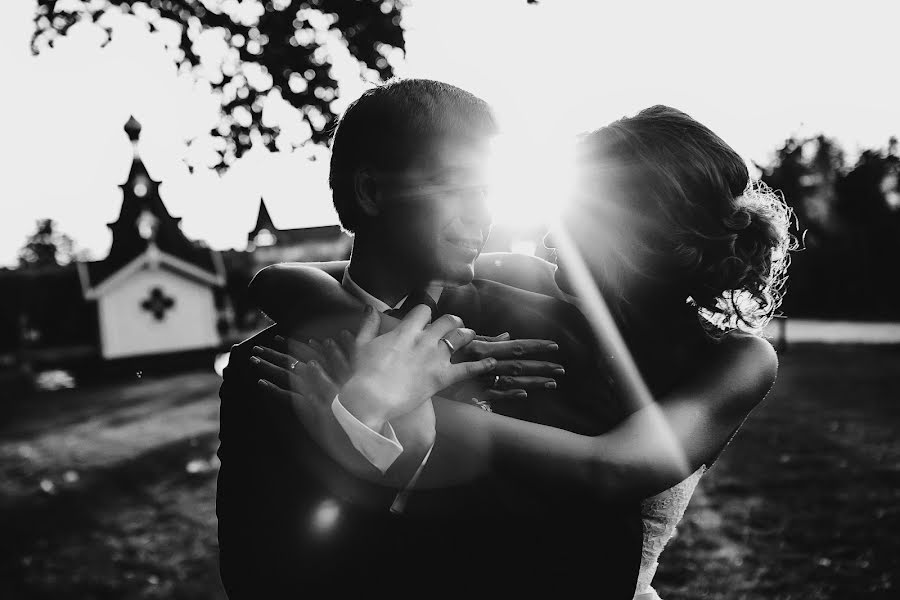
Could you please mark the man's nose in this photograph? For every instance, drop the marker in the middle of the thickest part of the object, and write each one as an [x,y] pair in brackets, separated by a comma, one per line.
[477,212]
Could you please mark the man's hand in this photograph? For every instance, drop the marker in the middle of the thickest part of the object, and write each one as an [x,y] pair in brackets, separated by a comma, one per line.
[396,372]
[516,372]
[337,356]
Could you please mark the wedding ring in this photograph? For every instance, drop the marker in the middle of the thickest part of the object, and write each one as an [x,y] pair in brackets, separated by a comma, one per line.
[294,364]
[449,345]
[496,382]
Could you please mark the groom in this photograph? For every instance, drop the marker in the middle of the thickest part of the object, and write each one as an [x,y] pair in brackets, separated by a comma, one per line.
[406,180]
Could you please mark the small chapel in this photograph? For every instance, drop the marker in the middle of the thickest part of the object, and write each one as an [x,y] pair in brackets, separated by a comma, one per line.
[155,292]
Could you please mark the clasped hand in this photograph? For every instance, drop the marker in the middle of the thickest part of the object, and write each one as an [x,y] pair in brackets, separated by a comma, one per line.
[383,377]
[378,377]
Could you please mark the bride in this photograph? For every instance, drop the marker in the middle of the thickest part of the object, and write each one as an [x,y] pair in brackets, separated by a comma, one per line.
[676,257]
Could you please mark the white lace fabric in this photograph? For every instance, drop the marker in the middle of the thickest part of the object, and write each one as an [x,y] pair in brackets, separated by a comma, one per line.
[661,514]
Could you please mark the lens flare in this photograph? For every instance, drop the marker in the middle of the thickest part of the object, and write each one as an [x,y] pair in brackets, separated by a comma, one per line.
[530,178]
[325,516]
[611,344]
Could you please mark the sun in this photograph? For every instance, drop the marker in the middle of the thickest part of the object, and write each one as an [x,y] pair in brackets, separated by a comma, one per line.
[530,178]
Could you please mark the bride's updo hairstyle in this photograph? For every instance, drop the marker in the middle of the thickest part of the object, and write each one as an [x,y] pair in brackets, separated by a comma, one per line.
[682,213]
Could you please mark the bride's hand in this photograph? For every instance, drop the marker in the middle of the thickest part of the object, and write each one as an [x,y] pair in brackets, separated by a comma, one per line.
[304,385]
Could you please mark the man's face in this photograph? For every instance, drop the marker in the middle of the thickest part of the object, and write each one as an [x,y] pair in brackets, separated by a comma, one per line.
[434,215]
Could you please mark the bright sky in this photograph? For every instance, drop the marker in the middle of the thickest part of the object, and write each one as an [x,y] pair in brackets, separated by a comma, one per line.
[754,74]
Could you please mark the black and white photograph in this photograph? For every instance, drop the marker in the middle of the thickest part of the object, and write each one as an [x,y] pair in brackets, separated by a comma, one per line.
[450,298]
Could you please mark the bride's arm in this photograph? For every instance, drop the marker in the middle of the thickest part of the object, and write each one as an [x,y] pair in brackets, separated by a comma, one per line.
[274,290]
[519,270]
[654,448]
[316,283]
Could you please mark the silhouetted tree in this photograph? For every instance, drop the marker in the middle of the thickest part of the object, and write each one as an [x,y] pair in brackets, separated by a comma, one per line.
[47,247]
[806,171]
[872,230]
[273,45]
[863,191]
[852,231]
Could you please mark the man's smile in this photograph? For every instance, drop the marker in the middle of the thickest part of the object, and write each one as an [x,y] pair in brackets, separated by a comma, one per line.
[469,245]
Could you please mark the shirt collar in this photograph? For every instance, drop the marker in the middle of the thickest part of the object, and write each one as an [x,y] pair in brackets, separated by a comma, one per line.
[354,289]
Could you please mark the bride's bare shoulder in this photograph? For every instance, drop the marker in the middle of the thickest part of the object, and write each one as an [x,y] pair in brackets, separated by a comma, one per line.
[749,362]
[746,346]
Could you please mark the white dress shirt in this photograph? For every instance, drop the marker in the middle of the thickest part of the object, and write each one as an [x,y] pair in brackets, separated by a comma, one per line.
[380,448]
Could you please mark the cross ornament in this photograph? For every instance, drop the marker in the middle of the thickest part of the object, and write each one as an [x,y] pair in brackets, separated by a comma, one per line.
[158,303]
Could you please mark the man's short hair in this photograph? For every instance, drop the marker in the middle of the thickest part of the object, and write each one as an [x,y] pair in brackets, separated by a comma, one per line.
[390,124]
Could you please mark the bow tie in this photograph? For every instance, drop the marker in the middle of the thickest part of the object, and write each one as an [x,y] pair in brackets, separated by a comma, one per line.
[414,299]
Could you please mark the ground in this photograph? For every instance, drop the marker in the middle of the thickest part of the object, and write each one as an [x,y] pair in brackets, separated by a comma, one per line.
[805,503]
[109,492]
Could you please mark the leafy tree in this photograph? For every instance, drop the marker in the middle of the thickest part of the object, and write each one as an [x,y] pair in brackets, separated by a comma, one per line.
[863,191]
[47,247]
[852,230]
[806,171]
[273,47]
[872,230]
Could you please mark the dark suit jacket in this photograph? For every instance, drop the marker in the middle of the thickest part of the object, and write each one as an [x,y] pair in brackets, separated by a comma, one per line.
[277,490]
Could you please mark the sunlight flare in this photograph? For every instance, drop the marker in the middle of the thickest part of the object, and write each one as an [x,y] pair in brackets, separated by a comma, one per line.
[612,345]
[530,178]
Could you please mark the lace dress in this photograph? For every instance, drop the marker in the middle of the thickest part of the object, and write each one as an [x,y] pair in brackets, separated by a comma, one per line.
[660,514]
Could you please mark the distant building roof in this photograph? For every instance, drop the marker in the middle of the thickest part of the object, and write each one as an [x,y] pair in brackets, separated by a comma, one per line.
[308,234]
[263,222]
[287,237]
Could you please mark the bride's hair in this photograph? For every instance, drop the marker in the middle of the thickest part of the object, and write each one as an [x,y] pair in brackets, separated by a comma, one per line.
[721,237]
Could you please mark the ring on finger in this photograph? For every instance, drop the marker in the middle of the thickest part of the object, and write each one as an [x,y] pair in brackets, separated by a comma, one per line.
[449,344]
[294,365]
[483,405]
[495,384]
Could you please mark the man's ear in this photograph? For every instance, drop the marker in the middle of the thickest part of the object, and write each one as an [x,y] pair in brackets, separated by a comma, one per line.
[365,186]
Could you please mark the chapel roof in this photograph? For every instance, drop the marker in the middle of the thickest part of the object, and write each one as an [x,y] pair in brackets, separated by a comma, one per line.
[144,220]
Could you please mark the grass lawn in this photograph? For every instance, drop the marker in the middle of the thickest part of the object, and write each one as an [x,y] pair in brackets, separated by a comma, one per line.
[109,492]
[805,503]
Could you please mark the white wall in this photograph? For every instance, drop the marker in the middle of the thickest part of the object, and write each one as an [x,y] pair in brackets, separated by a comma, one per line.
[126,329]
